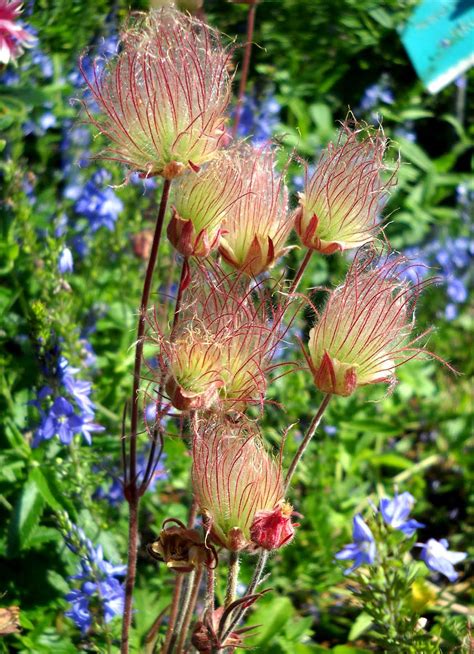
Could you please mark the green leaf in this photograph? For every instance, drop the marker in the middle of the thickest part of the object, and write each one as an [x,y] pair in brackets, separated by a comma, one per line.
[50,491]
[415,154]
[361,624]
[25,518]
[382,17]
[391,460]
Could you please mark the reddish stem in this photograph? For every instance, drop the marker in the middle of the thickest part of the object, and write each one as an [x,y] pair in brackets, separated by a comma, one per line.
[245,67]
[299,274]
[183,281]
[131,490]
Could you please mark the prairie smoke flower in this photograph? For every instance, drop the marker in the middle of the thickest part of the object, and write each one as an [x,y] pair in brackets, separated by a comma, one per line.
[234,479]
[193,366]
[256,228]
[344,195]
[363,333]
[13,37]
[221,356]
[273,529]
[163,97]
[201,203]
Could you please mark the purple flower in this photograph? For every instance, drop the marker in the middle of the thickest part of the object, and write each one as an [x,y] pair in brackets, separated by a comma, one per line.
[79,611]
[395,513]
[99,589]
[61,421]
[113,493]
[109,593]
[439,559]
[377,94]
[47,121]
[66,262]
[363,550]
[89,427]
[99,205]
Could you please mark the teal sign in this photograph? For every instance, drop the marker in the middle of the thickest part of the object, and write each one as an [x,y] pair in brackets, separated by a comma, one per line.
[439,39]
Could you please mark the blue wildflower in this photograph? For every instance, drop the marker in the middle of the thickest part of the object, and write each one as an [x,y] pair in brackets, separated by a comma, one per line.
[60,421]
[439,559]
[259,119]
[46,121]
[395,513]
[66,262]
[100,206]
[379,93]
[113,492]
[100,591]
[363,550]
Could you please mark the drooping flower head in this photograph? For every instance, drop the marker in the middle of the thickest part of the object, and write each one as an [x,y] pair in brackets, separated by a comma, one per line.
[342,199]
[234,479]
[219,356]
[194,370]
[13,37]
[363,333]
[201,203]
[163,97]
[257,228]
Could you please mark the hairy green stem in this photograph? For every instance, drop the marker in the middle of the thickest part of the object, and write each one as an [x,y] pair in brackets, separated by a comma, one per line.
[185,603]
[190,611]
[239,614]
[232,578]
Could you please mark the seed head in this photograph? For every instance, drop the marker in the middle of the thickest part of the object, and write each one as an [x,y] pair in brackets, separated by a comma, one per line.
[256,228]
[363,333]
[163,97]
[343,198]
[201,203]
[234,478]
[219,357]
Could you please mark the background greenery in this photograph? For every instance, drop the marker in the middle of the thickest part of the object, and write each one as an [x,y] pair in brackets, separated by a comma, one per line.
[313,61]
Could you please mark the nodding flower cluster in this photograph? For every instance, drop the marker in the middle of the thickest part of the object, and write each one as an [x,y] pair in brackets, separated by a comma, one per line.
[364,331]
[239,487]
[162,101]
[219,356]
[343,198]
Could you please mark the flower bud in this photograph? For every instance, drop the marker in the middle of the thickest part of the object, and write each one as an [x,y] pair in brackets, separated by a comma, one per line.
[233,480]
[363,332]
[273,529]
[343,198]
[162,98]
[256,228]
[201,202]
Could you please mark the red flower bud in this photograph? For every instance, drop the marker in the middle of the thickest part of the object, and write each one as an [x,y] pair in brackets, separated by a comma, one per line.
[273,529]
